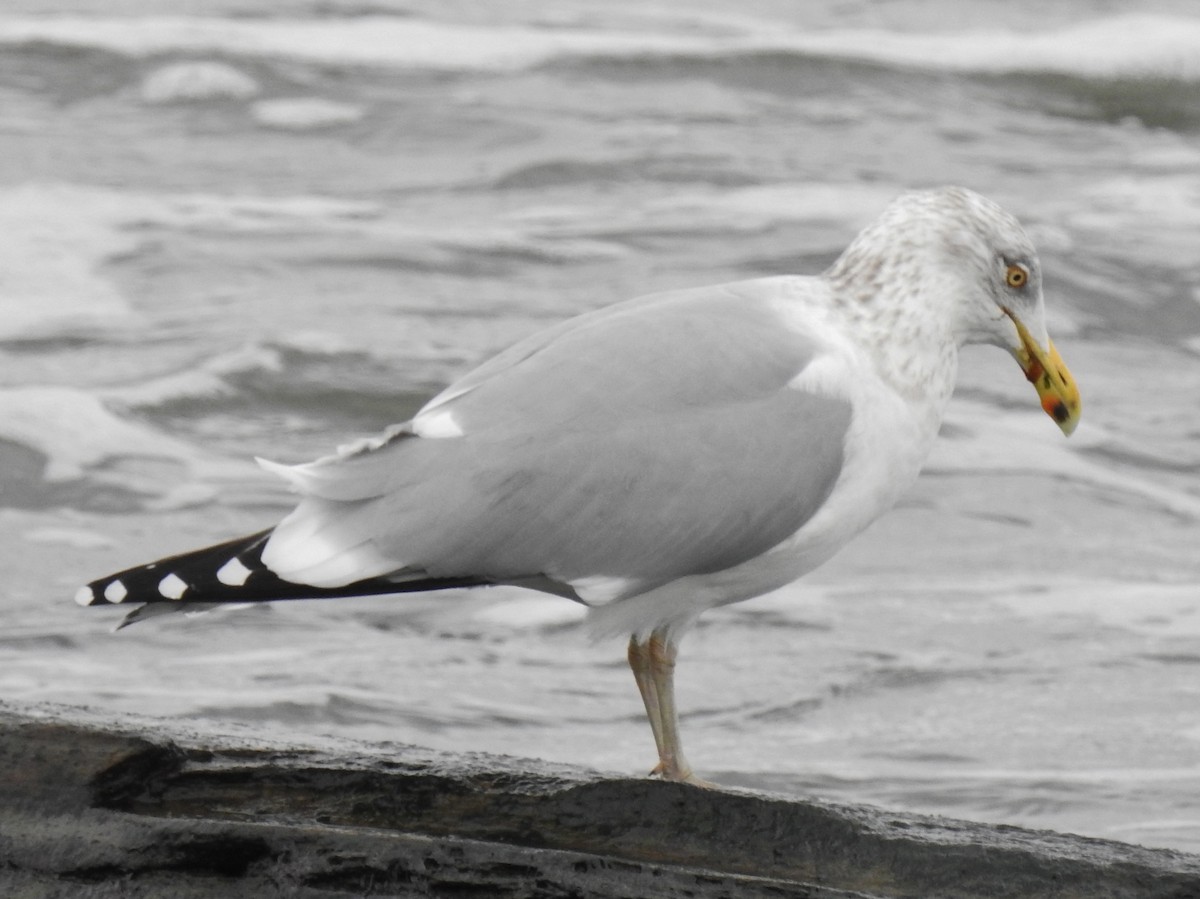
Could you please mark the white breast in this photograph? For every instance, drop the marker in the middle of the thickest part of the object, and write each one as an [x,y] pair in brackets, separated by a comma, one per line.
[888,441]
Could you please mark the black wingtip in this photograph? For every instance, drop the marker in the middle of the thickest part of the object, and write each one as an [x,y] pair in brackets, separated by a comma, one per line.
[233,572]
[209,573]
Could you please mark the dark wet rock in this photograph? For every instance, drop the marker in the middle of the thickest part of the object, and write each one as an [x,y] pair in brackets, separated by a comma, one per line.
[96,808]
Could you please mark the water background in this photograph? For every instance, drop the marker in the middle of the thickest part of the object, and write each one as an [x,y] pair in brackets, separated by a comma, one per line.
[251,228]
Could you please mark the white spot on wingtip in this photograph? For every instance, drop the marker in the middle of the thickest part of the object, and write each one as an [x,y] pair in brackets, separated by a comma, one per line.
[172,586]
[84,596]
[116,592]
[436,425]
[233,573]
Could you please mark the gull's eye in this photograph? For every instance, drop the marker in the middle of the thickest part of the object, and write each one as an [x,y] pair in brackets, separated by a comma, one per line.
[1016,275]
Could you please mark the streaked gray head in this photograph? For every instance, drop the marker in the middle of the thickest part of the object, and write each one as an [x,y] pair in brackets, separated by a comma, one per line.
[955,252]
[946,267]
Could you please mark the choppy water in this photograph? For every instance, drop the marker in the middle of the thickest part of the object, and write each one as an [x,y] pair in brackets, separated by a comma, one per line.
[281,226]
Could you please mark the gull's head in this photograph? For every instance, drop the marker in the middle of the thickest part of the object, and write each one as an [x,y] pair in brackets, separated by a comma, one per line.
[971,262]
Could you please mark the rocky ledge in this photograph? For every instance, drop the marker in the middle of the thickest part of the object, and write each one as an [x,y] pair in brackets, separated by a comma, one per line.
[119,808]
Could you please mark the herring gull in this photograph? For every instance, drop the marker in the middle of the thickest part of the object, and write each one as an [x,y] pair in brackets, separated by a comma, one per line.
[662,456]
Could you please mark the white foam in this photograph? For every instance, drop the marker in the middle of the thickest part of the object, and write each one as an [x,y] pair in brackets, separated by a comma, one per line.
[303,113]
[1023,441]
[361,40]
[55,239]
[250,213]
[197,80]
[75,431]
[80,437]
[77,538]
[1157,212]
[1140,608]
[839,210]
[208,379]
[185,495]
[318,343]
[1131,45]
[761,206]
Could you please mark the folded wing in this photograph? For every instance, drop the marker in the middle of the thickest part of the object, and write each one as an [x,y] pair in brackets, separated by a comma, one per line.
[616,452]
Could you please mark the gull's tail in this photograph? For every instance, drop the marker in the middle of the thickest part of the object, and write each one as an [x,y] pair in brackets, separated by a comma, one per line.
[233,572]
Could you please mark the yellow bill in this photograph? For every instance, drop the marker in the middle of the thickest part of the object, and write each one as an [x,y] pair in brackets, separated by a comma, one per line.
[1050,377]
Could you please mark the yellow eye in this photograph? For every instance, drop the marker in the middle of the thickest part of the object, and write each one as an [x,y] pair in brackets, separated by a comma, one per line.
[1016,276]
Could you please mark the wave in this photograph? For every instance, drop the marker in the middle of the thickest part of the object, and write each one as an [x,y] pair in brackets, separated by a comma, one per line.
[49,256]
[1130,46]
[59,238]
[1118,47]
[64,446]
[64,237]
[981,438]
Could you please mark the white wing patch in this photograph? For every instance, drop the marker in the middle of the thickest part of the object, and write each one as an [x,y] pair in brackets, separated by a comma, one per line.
[303,552]
[84,596]
[436,424]
[337,569]
[115,592]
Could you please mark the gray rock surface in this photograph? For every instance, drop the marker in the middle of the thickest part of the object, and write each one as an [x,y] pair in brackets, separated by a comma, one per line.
[101,808]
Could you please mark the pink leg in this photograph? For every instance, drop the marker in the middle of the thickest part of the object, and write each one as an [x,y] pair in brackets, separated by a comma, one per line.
[653,664]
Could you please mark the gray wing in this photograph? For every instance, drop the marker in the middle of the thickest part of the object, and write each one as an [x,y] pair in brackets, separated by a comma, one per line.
[645,442]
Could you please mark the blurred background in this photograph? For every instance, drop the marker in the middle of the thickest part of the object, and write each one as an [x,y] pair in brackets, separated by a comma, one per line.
[253,227]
